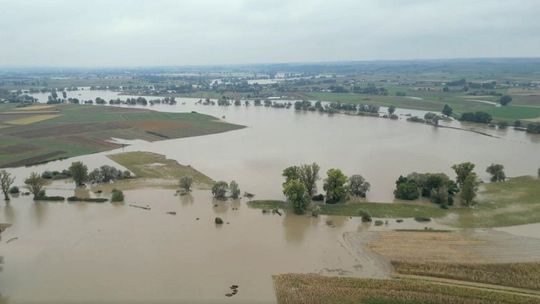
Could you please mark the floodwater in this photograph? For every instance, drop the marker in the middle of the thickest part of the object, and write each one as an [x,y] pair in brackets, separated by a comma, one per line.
[80,252]
[87,252]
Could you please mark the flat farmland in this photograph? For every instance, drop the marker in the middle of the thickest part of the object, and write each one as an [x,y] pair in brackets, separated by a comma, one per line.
[82,129]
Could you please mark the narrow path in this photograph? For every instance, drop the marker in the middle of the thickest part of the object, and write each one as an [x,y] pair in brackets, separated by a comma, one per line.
[474,285]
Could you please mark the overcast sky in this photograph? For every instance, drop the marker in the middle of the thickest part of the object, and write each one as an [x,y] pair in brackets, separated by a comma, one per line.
[101,33]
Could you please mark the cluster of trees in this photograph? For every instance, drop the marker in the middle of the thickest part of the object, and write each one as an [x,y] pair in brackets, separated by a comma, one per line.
[478,117]
[441,189]
[436,186]
[107,174]
[301,184]
[220,190]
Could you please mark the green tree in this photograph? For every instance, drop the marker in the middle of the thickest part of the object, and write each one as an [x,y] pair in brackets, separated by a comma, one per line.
[334,185]
[309,175]
[406,190]
[185,183]
[6,181]
[469,189]
[447,110]
[219,189]
[462,171]
[290,173]
[497,172]
[358,186]
[504,100]
[235,189]
[117,196]
[79,172]
[297,195]
[35,184]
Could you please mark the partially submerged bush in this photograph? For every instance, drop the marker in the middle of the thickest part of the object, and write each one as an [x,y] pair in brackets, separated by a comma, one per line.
[117,196]
[218,221]
[234,189]
[219,189]
[366,217]
[378,223]
[50,198]
[185,183]
[14,190]
[87,199]
[422,219]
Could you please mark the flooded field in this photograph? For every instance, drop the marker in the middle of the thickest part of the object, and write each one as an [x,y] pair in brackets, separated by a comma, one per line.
[77,252]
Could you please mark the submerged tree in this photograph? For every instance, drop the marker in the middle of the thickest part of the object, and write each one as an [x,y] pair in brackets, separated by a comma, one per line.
[297,195]
[6,181]
[358,186]
[79,172]
[35,184]
[234,189]
[219,189]
[391,109]
[185,183]
[497,172]
[334,185]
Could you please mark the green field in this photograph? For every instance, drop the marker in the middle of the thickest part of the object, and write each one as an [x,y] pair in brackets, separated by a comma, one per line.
[82,129]
[514,202]
[152,165]
[434,101]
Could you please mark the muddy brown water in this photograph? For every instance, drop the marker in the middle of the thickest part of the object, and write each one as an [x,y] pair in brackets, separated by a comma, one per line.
[77,252]
[81,252]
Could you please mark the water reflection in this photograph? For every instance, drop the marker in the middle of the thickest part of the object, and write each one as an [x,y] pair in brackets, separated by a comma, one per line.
[186,199]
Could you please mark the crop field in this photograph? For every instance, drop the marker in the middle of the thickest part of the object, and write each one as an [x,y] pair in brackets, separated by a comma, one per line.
[81,129]
[314,289]
[520,275]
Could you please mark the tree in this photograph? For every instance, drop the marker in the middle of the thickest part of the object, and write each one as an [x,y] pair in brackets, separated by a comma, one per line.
[447,110]
[309,175]
[6,181]
[334,185]
[504,100]
[462,171]
[297,195]
[219,189]
[406,189]
[235,189]
[358,185]
[79,172]
[290,173]
[497,172]
[469,189]
[185,183]
[391,109]
[35,184]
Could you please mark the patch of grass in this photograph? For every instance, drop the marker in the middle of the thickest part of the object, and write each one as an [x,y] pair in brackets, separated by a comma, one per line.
[152,165]
[520,275]
[385,210]
[380,210]
[268,204]
[32,119]
[311,288]
[513,202]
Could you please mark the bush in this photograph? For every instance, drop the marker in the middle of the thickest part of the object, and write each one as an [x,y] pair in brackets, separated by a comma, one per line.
[117,196]
[366,217]
[50,198]
[219,189]
[87,199]
[14,190]
[479,117]
[218,221]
